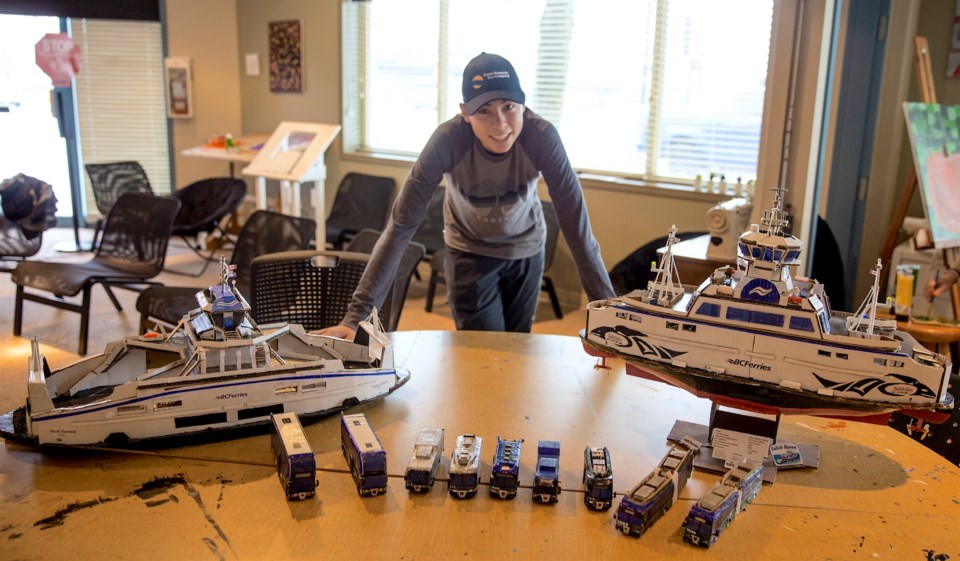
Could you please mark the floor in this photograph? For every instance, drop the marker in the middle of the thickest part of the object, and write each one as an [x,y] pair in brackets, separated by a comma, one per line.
[56,330]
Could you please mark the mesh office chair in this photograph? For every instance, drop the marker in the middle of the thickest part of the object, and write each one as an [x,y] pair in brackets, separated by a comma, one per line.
[109,182]
[309,288]
[362,201]
[397,295]
[263,233]
[131,252]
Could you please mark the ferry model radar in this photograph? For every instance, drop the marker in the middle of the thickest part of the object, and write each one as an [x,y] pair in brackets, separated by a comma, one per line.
[758,337]
[215,373]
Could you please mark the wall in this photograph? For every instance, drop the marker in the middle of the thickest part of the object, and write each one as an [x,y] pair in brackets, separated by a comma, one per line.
[207,32]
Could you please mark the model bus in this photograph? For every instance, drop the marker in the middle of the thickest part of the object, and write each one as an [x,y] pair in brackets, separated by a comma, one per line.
[652,498]
[296,464]
[546,480]
[365,456]
[465,466]
[425,461]
[715,510]
[505,475]
[597,478]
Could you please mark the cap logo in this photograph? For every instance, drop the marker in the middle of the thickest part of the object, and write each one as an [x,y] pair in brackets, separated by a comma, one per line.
[477,82]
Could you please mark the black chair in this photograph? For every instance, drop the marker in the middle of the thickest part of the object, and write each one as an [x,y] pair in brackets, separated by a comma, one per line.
[310,288]
[826,266]
[131,252]
[264,232]
[546,285]
[14,246]
[633,271]
[204,205]
[944,439]
[109,182]
[363,242]
[362,201]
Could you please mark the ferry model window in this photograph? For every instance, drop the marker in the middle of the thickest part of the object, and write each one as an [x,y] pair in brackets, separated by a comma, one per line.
[673,325]
[777,254]
[880,361]
[844,356]
[708,309]
[757,252]
[896,363]
[793,254]
[738,314]
[765,318]
[690,328]
[822,352]
[801,324]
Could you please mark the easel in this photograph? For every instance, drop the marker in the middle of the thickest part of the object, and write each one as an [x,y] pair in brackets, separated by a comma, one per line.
[928,94]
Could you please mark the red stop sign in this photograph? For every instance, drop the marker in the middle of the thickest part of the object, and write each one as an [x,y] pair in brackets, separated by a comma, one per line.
[58,57]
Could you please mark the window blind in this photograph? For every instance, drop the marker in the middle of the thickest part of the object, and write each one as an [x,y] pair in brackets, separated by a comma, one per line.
[121,107]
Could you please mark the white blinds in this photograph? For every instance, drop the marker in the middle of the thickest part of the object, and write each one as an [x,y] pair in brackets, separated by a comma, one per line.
[662,89]
[120,98]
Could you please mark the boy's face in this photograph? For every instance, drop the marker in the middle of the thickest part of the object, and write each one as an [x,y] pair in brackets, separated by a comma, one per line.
[497,124]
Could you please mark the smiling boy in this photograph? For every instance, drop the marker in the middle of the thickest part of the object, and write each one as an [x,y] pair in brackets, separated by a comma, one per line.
[491,157]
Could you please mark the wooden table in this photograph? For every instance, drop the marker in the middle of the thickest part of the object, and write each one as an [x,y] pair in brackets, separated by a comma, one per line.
[692,262]
[877,494]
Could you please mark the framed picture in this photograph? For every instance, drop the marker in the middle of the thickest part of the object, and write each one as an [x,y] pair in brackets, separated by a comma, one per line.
[286,63]
[179,87]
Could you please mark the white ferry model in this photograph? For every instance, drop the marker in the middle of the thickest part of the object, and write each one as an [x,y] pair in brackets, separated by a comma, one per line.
[217,371]
[756,337]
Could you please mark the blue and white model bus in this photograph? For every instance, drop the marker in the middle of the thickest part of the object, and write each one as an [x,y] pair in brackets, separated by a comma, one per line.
[365,455]
[715,510]
[425,461]
[597,478]
[546,480]
[652,498]
[505,476]
[293,456]
[465,466]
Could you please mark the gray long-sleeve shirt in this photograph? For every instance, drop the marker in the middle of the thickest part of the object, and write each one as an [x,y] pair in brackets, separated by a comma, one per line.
[491,206]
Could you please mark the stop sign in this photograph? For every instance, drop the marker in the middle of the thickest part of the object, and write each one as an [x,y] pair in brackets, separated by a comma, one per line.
[58,57]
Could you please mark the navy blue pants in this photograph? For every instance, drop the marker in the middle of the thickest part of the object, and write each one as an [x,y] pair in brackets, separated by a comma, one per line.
[489,294]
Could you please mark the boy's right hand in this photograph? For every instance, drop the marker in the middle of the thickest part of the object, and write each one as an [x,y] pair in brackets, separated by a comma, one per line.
[340,331]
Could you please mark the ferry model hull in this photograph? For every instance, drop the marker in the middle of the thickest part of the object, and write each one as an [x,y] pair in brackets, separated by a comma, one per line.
[200,381]
[757,338]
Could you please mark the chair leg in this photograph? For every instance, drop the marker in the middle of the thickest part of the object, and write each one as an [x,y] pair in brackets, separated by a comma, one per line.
[18,311]
[554,301]
[110,294]
[85,319]
[431,290]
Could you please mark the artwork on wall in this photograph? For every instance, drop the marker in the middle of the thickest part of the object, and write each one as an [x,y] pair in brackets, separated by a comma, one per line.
[286,62]
[179,87]
[935,139]
[953,57]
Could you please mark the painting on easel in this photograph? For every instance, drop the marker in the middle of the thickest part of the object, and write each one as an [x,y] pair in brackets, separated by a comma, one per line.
[935,138]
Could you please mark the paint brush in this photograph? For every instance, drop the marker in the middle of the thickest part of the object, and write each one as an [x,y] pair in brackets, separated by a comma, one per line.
[936,280]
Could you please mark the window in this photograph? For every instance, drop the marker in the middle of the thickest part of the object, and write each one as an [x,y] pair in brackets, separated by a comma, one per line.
[801,324]
[640,88]
[707,309]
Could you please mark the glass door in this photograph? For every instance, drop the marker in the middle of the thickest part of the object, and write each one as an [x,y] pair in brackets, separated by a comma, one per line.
[30,141]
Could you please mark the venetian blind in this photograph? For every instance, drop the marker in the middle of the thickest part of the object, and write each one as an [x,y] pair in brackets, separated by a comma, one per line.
[121,107]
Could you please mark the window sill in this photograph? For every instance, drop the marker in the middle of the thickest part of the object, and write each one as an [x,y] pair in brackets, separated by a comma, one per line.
[589,180]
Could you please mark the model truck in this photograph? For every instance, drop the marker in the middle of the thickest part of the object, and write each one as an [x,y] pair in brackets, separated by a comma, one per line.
[293,456]
[365,456]
[597,478]
[546,480]
[505,476]
[465,466]
[423,466]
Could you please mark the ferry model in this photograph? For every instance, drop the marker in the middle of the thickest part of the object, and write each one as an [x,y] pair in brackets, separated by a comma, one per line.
[757,337]
[216,371]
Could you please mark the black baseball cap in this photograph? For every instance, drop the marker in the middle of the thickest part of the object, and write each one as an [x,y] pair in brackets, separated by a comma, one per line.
[488,77]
